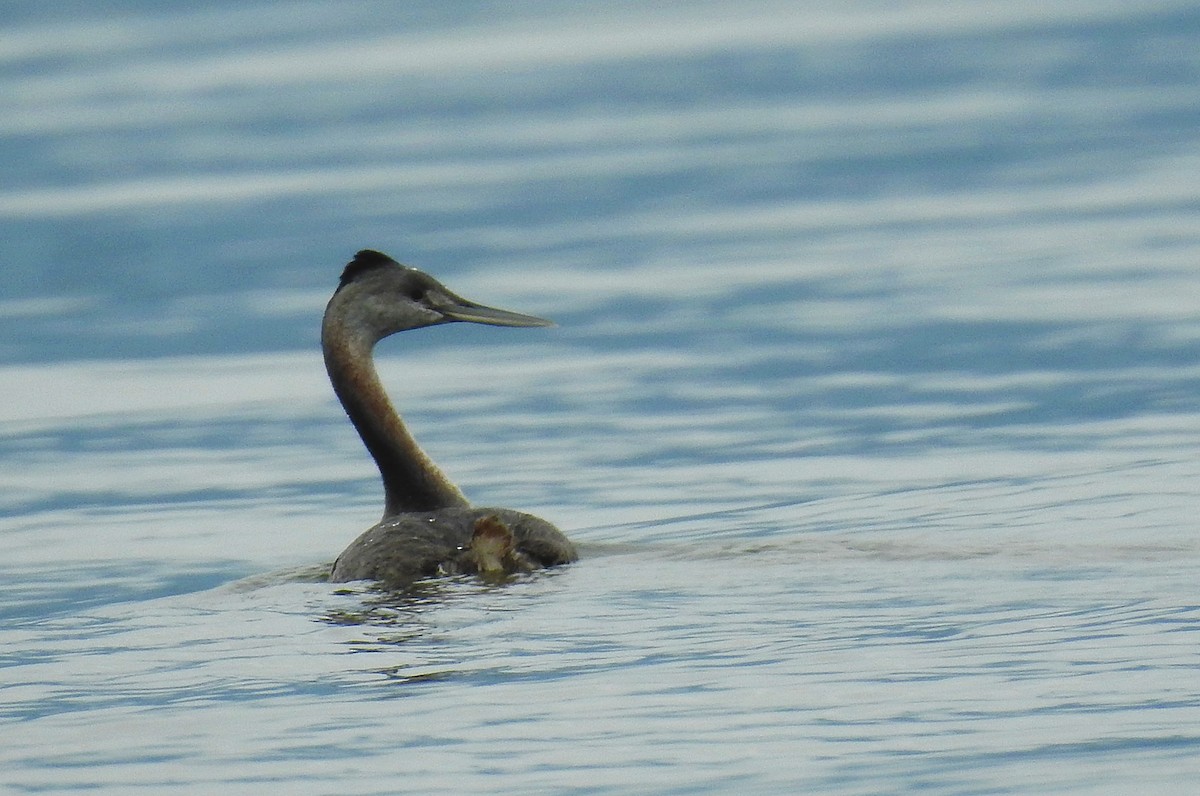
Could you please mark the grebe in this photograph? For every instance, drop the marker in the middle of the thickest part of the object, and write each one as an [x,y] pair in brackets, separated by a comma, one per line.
[428,527]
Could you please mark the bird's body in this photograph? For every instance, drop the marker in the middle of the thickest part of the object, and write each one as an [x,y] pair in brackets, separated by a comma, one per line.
[451,541]
[428,527]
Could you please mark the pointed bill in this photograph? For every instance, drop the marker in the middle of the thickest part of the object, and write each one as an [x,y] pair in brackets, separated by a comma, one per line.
[459,309]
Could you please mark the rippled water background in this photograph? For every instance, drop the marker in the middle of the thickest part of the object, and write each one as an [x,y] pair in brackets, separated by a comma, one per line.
[874,402]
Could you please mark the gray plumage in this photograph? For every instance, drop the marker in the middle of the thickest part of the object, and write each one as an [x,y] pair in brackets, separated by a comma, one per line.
[428,527]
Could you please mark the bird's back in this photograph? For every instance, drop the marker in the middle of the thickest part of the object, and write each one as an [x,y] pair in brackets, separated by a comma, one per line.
[407,547]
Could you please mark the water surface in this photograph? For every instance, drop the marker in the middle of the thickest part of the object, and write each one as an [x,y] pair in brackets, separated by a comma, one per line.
[872,403]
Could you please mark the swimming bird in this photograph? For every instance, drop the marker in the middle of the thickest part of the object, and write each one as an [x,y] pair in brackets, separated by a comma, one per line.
[428,527]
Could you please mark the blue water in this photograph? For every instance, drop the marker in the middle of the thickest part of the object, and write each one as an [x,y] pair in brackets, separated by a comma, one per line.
[874,403]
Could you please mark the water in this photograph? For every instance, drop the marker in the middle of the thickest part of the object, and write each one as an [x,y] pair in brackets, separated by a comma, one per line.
[872,404]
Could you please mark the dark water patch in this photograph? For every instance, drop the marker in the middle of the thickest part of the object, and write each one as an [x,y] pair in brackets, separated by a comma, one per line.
[33,597]
[175,696]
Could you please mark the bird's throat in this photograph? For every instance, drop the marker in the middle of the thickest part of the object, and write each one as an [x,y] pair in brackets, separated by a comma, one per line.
[411,481]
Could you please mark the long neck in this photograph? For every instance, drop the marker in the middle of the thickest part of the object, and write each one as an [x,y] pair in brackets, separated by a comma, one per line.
[411,481]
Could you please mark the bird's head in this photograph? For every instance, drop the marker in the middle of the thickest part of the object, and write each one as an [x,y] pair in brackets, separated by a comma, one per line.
[385,297]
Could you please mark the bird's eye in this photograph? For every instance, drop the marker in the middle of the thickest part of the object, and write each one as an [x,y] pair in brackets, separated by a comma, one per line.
[416,293]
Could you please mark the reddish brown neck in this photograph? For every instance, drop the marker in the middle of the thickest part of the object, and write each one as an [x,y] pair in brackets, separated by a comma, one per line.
[411,481]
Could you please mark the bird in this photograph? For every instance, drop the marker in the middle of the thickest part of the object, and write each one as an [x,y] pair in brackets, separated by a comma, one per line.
[429,528]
